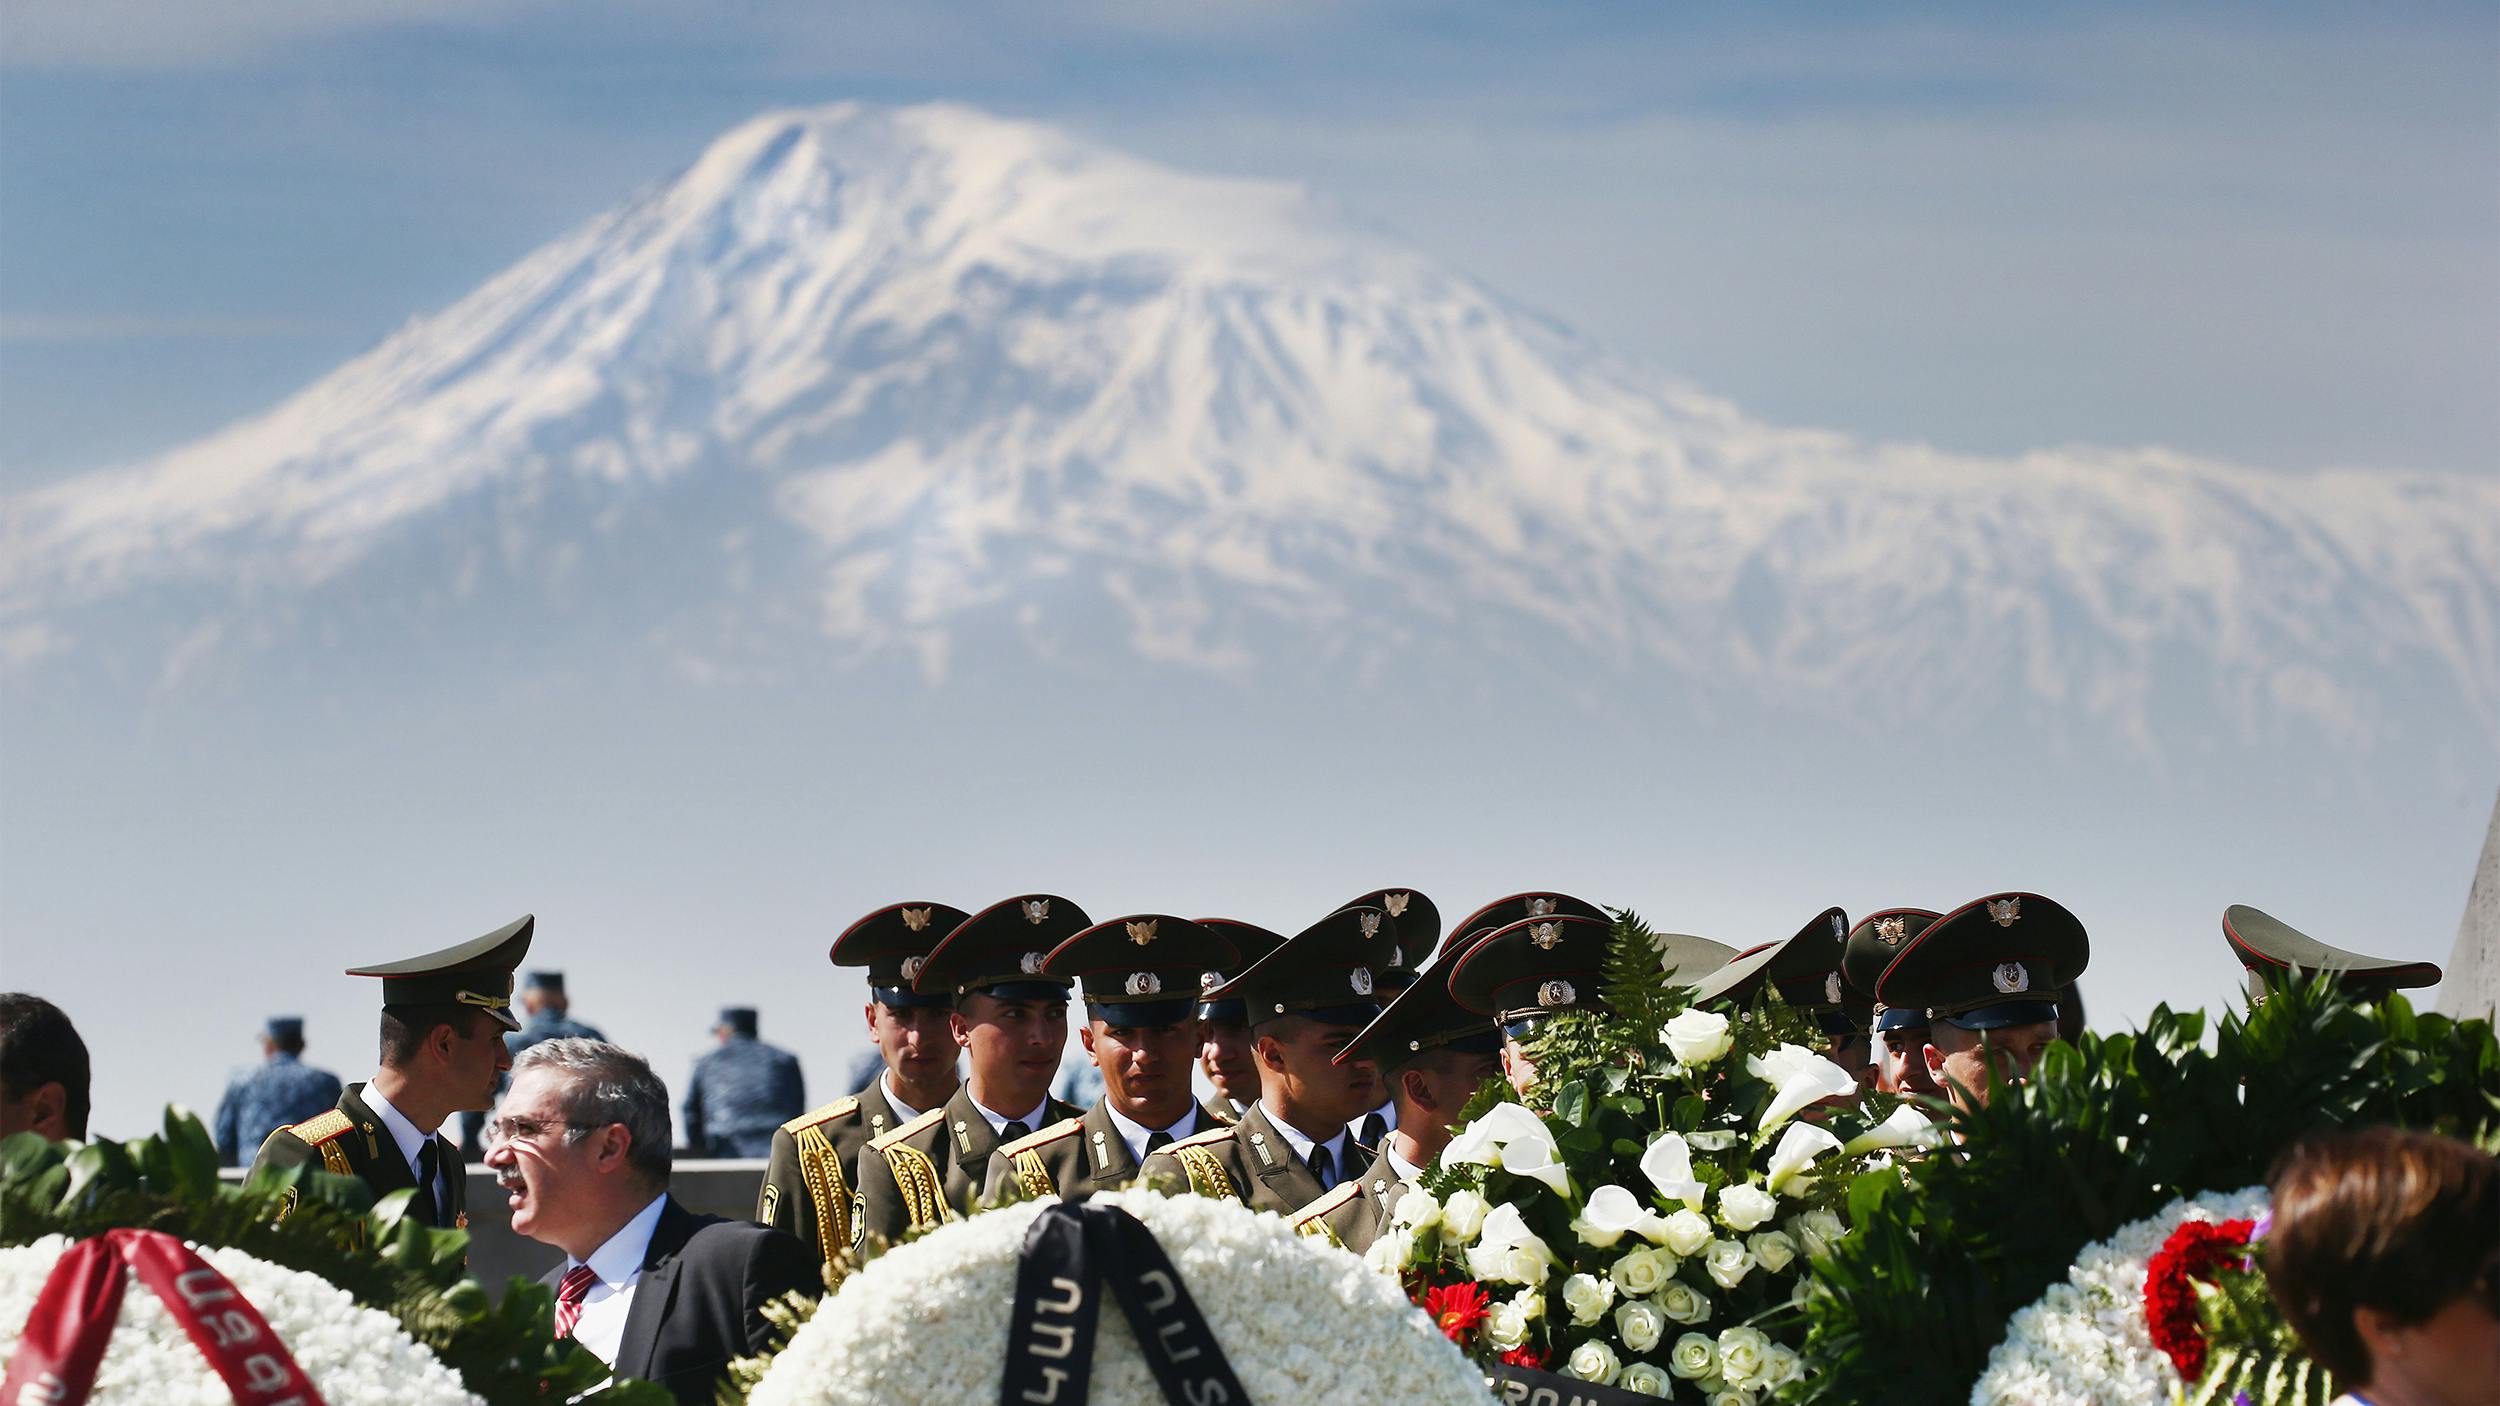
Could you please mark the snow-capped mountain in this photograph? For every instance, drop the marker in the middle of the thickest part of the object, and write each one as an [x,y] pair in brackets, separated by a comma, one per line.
[861,377]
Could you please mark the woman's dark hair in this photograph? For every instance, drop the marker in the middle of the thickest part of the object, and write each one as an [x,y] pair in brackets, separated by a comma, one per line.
[39,1046]
[2401,1222]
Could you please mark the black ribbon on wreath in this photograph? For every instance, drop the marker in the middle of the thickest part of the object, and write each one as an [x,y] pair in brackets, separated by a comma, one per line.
[1067,1256]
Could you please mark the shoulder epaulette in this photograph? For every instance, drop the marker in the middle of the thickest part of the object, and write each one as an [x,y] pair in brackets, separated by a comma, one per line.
[1064,1128]
[1206,1139]
[1329,1200]
[322,1127]
[924,1121]
[842,1107]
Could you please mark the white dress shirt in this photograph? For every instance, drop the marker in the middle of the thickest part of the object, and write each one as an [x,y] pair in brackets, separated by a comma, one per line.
[998,1121]
[411,1141]
[903,1112]
[1387,1113]
[1135,1133]
[1339,1147]
[1407,1171]
[618,1267]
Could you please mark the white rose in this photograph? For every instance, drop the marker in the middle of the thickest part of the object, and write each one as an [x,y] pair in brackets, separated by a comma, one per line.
[1417,1210]
[1782,1365]
[1728,1263]
[1530,1303]
[1646,1378]
[1732,1396]
[1696,1038]
[1772,1249]
[1742,1352]
[1593,1361]
[1745,1207]
[1640,1325]
[1642,1272]
[1392,1250]
[1489,1264]
[1682,1303]
[1686,1232]
[1505,1326]
[1462,1216]
[1817,1231]
[1693,1357]
[1524,1264]
[1588,1297]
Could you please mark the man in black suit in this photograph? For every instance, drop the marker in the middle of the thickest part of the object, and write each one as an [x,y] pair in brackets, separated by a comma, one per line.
[580,1147]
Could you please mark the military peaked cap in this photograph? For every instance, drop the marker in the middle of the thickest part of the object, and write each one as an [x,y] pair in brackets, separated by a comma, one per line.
[1872,945]
[1417,925]
[1803,967]
[894,943]
[477,973]
[999,951]
[2267,946]
[1533,967]
[1993,962]
[1144,969]
[1502,912]
[1690,959]
[1327,972]
[1424,1017]
[1250,943]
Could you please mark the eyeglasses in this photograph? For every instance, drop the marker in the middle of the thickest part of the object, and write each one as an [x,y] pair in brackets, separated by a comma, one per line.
[530,1129]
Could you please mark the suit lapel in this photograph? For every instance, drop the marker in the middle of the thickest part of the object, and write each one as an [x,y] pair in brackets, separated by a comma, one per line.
[1281,1172]
[1107,1159]
[653,1291]
[376,1152]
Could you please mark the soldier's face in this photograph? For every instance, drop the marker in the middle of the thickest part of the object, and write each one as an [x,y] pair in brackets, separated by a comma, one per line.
[475,1059]
[1014,1046]
[1145,1068]
[918,1042]
[1224,1052]
[1902,1065]
[1297,1063]
[1960,1060]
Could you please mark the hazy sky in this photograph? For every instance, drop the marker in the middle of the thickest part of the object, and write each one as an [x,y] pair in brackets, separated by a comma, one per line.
[2268,233]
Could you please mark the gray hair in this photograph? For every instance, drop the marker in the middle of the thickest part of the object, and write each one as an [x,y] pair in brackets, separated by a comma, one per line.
[610,1084]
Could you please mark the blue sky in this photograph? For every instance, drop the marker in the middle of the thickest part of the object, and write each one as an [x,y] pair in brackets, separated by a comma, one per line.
[2263,233]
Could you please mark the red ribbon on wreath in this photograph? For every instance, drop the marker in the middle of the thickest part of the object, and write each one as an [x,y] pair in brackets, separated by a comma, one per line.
[2196,1250]
[63,1346]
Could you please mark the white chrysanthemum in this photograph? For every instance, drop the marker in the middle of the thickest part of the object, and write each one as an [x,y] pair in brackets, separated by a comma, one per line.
[928,1321]
[2085,1341]
[355,1356]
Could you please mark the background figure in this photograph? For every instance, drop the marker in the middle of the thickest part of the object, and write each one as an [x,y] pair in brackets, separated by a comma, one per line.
[2385,1258]
[282,1090]
[741,1092]
[546,1015]
[43,1070]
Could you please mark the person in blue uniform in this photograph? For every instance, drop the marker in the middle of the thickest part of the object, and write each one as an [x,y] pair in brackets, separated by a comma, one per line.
[282,1090]
[741,1093]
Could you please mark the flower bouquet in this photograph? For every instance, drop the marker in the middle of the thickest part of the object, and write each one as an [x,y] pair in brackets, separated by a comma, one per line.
[1648,1227]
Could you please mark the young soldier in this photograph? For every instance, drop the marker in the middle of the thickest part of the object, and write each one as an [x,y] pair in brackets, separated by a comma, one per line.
[810,1187]
[1525,972]
[1224,1021]
[1140,975]
[444,1016]
[1987,975]
[1435,1054]
[1900,1032]
[1415,925]
[1306,1000]
[1012,1019]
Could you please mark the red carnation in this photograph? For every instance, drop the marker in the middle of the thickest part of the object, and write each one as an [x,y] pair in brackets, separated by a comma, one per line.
[2196,1250]
[1524,1356]
[1457,1309]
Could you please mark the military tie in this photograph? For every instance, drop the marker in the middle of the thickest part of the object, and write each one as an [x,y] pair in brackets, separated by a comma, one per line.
[1157,1141]
[574,1288]
[1011,1132]
[423,1205]
[1375,1128]
[1323,1165]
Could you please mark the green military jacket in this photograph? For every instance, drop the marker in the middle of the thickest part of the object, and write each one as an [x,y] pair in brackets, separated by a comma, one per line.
[351,1141]
[811,1185]
[1249,1161]
[1074,1158]
[1353,1213]
[929,1170]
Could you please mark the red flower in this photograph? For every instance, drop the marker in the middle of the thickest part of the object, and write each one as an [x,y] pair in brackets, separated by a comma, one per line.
[2196,1250]
[1524,1356]
[1457,1309]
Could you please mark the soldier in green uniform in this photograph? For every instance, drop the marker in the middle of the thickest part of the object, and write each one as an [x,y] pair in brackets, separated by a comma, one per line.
[811,1183]
[1805,968]
[1434,1053]
[1529,970]
[1502,912]
[1307,1000]
[1224,1054]
[1900,1032]
[1011,1018]
[444,1016]
[1987,974]
[2269,947]
[1140,976]
[1417,924]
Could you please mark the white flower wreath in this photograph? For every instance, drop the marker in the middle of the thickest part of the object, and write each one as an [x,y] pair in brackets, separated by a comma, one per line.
[2085,1342]
[355,1356]
[1298,1319]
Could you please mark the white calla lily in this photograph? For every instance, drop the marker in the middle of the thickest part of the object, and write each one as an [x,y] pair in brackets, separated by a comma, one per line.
[1537,1156]
[1798,1147]
[1907,1127]
[1611,1214]
[1669,1166]
[1808,1082]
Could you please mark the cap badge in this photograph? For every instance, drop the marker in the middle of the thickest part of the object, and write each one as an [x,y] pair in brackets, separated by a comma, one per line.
[1540,907]
[912,966]
[1840,926]
[1143,984]
[1396,903]
[1397,956]
[2012,977]
[1890,931]
[1370,923]
[1143,933]
[1035,909]
[1555,993]
[1361,980]
[1545,935]
[916,919]
[1032,963]
[2005,910]
[1831,987]
[1208,981]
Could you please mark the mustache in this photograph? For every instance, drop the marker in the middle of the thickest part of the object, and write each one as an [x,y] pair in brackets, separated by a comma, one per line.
[508,1179]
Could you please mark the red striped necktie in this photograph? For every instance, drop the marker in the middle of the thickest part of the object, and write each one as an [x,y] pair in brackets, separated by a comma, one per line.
[569,1296]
